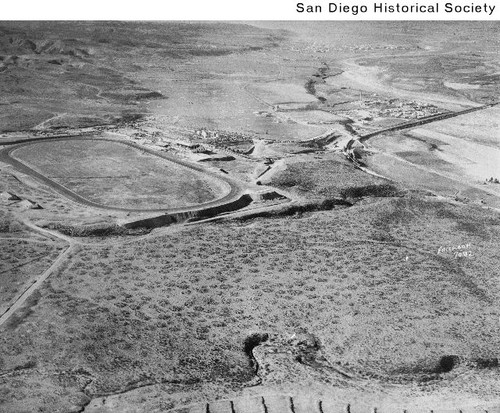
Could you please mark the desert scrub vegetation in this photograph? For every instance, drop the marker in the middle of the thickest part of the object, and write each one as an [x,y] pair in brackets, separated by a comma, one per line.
[21,261]
[332,178]
[385,190]
[185,315]
[9,225]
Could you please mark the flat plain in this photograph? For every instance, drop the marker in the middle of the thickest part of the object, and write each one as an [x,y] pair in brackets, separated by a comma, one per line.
[125,176]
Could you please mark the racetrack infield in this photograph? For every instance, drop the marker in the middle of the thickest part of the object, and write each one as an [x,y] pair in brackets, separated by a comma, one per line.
[118,175]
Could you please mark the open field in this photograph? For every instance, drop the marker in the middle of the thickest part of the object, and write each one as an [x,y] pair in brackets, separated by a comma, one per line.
[55,206]
[431,73]
[275,93]
[464,149]
[480,127]
[315,117]
[476,161]
[426,172]
[224,105]
[460,158]
[125,177]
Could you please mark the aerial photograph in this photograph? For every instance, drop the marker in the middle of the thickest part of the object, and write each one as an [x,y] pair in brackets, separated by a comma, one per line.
[249,216]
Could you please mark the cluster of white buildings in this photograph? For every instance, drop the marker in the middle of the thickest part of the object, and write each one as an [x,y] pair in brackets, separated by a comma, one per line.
[207,134]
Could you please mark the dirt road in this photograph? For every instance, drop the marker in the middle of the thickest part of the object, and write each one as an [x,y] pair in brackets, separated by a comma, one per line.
[20,301]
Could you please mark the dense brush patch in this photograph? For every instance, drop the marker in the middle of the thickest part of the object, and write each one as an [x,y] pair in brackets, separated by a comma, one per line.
[386,190]
[98,230]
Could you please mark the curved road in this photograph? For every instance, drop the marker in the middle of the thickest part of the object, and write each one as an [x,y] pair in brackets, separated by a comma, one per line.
[234,193]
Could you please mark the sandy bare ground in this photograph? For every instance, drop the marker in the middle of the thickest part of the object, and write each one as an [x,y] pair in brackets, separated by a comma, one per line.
[304,399]
[481,126]
[367,79]
[476,161]
[442,183]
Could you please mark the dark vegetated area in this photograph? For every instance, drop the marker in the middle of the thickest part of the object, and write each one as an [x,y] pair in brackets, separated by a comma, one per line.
[127,116]
[447,363]
[298,210]
[385,190]
[311,87]
[95,230]
[251,342]
[486,363]
[450,363]
[131,96]
[335,178]
[8,224]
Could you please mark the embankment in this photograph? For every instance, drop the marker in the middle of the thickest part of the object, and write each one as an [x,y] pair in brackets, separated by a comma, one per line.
[173,218]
